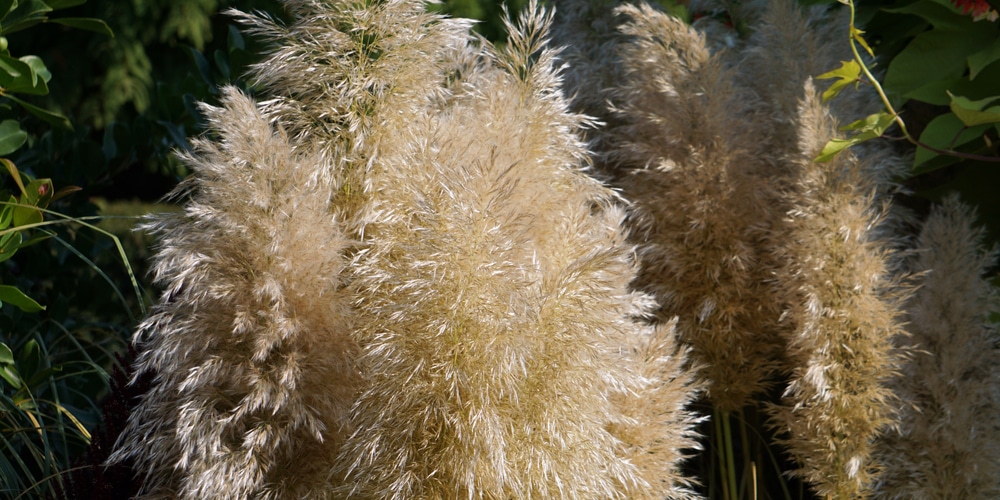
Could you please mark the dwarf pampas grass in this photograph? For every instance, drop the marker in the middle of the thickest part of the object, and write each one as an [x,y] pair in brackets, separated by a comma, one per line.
[846,318]
[946,442]
[250,344]
[498,342]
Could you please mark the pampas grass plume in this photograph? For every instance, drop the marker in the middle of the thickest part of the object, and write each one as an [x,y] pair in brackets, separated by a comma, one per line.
[945,443]
[250,344]
[678,146]
[495,289]
[846,318]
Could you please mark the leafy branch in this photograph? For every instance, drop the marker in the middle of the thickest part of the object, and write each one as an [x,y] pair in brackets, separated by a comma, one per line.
[971,113]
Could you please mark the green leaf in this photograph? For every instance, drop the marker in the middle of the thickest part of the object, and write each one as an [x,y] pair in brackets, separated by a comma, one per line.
[940,16]
[984,58]
[833,148]
[6,355]
[38,193]
[11,137]
[29,358]
[51,117]
[38,68]
[856,35]
[9,373]
[945,131]
[930,62]
[972,113]
[26,15]
[5,7]
[63,4]
[17,298]
[849,72]
[85,23]
[6,217]
[18,76]
[235,39]
[870,127]
[10,243]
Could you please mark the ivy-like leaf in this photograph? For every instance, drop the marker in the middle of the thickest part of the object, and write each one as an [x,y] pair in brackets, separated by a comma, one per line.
[11,295]
[866,129]
[848,73]
[974,113]
[856,35]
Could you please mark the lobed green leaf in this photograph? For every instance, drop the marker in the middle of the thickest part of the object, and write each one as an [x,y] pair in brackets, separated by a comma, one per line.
[849,72]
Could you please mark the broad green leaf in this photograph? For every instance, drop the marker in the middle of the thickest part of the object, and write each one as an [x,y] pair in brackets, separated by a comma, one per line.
[24,216]
[940,16]
[19,77]
[848,73]
[972,113]
[13,296]
[945,131]
[984,58]
[38,68]
[85,23]
[51,117]
[27,14]
[63,4]
[11,137]
[932,58]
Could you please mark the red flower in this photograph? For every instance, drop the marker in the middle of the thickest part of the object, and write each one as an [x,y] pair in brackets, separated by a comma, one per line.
[975,7]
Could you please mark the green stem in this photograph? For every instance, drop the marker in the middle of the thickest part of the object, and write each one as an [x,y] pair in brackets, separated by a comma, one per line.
[730,458]
[874,81]
[720,437]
